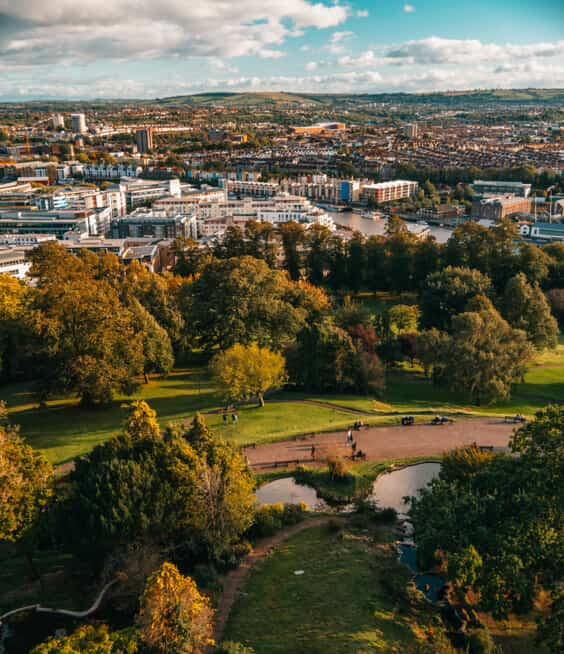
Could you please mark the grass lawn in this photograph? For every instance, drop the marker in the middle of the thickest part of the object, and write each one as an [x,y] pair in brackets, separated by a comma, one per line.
[337,605]
[407,391]
[64,430]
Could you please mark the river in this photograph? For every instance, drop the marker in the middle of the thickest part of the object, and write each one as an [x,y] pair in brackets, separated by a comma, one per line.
[368,227]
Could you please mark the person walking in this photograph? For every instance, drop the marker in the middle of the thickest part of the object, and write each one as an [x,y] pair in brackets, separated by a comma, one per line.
[225,415]
[349,436]
[353,447]
[313,452]
[234,417]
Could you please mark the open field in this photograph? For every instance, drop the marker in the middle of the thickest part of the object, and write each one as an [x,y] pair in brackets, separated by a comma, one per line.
[337,605]
[64,430]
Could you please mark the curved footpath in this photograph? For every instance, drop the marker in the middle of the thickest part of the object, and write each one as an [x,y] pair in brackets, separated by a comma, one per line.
[385,442]
[380,442]
[235,579]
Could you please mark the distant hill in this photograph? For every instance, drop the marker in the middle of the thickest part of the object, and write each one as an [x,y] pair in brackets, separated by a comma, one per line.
[244,99]
[455,98]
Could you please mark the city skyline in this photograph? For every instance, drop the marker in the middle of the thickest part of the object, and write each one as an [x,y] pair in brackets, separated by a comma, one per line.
[144,50]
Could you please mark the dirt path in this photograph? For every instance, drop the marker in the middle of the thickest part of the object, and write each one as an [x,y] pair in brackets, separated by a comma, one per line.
[386,441]
[235,579]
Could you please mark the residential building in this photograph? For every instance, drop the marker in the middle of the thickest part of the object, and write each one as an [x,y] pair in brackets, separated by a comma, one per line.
[143,191]
[157,224]
[501,206]
[319,128]
[57,121]
[388,191]
[411,131]
[501,188]
[13,262]
[78,123]
[144,140]
[109,172]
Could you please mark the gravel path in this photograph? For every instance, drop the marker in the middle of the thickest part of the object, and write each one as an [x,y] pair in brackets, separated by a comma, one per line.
[387,441]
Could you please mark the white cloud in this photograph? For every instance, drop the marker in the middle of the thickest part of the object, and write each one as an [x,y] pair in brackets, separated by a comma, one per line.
[336,42]
[437,50]
[35,32]
[409,9]
[311,66]
[362,13]
[338,37]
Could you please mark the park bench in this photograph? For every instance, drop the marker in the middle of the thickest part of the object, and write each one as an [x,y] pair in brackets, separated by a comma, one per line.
[516,418]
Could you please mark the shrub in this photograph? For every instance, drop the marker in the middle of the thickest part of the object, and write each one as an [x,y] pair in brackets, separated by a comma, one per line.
[293,513]
[334,526]
[270,518]
[481,642]
[338,470]
[367,508]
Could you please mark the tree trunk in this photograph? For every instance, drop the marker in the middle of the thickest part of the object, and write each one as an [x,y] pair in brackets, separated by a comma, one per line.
[260,399]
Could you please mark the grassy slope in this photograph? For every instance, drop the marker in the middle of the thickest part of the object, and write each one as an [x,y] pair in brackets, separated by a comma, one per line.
[336,606]
[64,430]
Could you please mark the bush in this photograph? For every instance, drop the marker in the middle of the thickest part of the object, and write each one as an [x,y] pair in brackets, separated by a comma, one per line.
[338,470]
[481,642]
[334,527]
[270,518]
[367,508]
[293,513]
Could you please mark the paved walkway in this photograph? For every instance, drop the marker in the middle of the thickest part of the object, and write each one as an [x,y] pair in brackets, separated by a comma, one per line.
[387,441]
[235,579]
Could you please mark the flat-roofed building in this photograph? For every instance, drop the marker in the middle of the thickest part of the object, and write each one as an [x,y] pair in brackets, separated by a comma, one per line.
[498,207]
[13,261]
[482,187]
[388,191]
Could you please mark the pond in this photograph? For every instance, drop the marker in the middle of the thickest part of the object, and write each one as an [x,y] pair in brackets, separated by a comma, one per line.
[287,491]
[430,584]
[390,488]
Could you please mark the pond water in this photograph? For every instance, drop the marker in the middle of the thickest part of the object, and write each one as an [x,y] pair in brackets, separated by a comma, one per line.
[287,491]
[390,488]
[430,584]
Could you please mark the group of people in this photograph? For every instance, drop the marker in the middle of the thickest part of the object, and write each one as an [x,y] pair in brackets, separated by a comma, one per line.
[350,442]
[234,416]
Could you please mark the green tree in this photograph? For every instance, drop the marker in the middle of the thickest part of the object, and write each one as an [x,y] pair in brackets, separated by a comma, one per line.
[244,301]
[90,640]
[464,567]
[158,356]
[293,239]
[508,509]
[175,618]
[199,435]
[248,371]
[526,307]
[403,318]
[485,355]
[447,293]
[141,421]
[86,341]
[317,259]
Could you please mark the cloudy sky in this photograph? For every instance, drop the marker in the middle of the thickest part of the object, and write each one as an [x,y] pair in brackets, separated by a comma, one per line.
[153,48]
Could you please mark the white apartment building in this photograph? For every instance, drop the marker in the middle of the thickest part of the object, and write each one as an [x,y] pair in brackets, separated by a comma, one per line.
[108,172]
[14,262]
[388,191]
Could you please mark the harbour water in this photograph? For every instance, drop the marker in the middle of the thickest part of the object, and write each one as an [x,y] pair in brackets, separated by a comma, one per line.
[369,227]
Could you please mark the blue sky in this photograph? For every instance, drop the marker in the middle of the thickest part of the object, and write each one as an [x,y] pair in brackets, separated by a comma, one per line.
[144,48]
